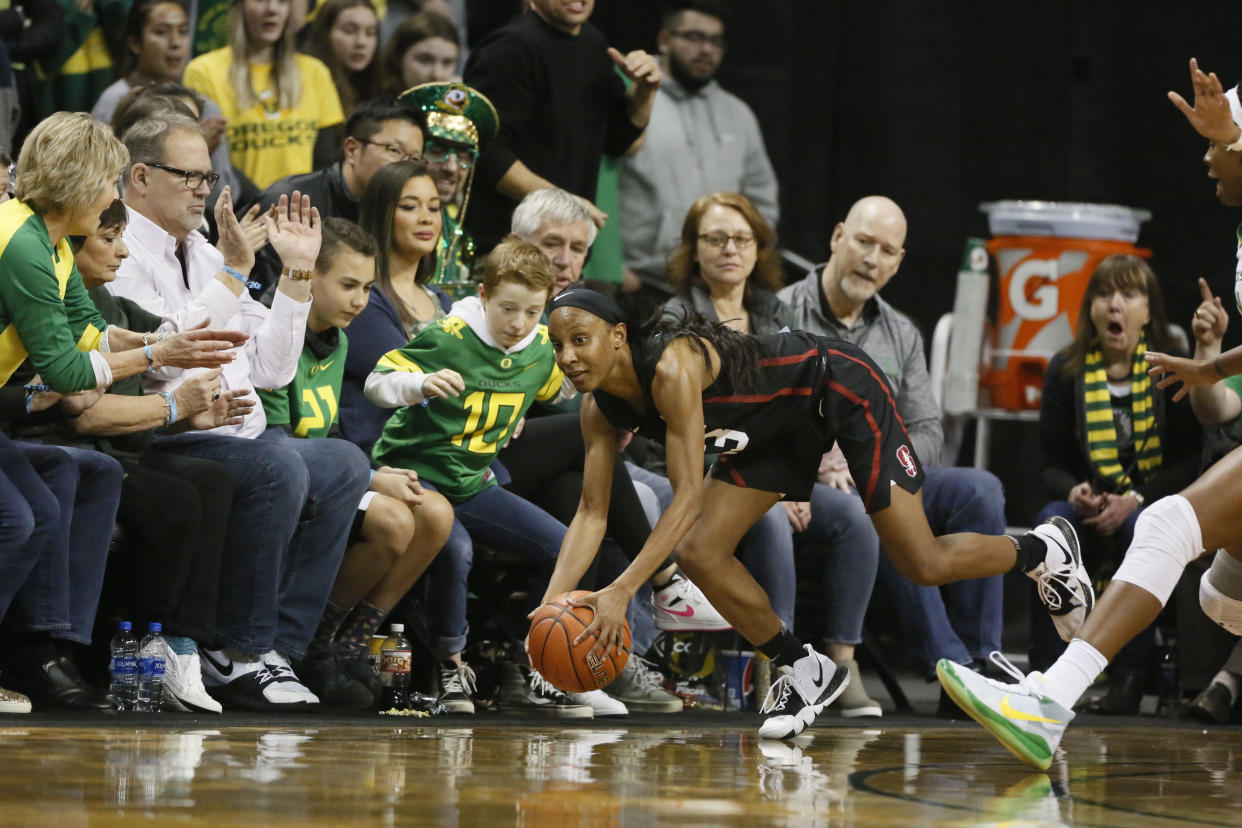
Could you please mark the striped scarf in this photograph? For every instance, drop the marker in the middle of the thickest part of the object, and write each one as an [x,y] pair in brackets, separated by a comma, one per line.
[1101,434]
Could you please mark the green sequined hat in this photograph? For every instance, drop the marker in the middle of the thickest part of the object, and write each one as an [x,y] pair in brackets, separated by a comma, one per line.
[454,113]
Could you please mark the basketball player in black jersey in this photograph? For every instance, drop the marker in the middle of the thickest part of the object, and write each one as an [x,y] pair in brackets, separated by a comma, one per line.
[768,407]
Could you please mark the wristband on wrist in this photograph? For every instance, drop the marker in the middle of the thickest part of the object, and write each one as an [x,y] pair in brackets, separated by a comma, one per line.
[241,277]
[297,275]
[170,407]
[146,349]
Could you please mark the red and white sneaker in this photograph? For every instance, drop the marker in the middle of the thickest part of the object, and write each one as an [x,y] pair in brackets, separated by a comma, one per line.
[679,606]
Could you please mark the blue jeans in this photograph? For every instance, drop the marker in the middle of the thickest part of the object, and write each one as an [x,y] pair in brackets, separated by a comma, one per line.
[961,621]
[30,501]
[61,593]
[498,518]
[1046,645]
[841,535]
[294,503]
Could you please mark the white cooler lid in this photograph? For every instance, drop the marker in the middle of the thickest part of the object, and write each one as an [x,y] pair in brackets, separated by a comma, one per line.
[1064,219]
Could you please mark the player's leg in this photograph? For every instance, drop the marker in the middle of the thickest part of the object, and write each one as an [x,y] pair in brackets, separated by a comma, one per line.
[808,681]
[1030,717]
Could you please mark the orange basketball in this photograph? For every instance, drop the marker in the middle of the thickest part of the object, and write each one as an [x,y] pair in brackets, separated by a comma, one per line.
[550,646]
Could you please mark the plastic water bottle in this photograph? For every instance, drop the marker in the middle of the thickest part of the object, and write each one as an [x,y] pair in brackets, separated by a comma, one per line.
[396,660]
[151,670]
[124,667]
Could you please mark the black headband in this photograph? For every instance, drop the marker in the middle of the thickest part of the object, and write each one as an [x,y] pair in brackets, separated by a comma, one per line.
[593,302]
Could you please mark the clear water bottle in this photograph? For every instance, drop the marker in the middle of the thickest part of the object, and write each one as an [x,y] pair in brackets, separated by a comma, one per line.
[124,667]
[396,659]
[151,670]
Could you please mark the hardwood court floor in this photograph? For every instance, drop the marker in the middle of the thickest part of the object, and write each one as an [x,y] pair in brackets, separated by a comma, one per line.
[696,769]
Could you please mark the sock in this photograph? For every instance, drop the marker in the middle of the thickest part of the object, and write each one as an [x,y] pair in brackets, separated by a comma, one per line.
[1073,673]
[1233,664]
[783,648]
[1230,682]
[181,644]
[1031,552]
[676,576]
[321,644]
[356,631]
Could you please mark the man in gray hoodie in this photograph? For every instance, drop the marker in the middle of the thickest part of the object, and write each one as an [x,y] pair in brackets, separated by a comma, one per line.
[701,139]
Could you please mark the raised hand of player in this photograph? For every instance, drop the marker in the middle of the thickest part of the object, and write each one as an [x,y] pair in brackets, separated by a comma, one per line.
[401,484]
[1210,115]
[608,626]
[295,231]
[1211,320]
[1191,373]
[443,383]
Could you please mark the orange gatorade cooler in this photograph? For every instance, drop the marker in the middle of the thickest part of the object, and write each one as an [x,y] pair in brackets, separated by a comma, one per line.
[1045,252]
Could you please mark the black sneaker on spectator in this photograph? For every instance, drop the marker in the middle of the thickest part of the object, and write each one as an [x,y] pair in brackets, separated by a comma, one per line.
[245,683]
[1213,705]
[457,683]
[323,676]
[357,665]
[524,689]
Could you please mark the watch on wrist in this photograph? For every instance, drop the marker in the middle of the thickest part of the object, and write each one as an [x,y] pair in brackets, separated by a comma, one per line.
[1138,498]
[297,274]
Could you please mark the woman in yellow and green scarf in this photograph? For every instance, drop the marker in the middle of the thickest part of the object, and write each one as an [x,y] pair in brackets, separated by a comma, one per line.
[1111,442]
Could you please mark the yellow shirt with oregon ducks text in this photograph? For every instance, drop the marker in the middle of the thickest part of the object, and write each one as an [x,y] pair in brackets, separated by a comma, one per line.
[267,143]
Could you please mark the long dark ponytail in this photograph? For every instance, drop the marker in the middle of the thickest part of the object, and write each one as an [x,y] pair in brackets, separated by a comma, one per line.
[739,353]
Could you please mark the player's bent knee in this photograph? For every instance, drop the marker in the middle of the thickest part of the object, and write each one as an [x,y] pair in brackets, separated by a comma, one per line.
[1166,538]
[1220,592]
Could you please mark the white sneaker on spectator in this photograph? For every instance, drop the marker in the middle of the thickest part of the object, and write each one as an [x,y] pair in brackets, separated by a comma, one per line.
[244,683]
[680,606]
[601,703]
[13,702]
[282,671]
[183,677]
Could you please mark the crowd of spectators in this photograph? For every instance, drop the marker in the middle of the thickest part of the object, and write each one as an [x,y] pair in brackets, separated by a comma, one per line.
[270,327]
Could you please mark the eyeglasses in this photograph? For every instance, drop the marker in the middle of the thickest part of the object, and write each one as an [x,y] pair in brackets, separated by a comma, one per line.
[193,178]
[698,38]
[395,152]
[440,155]
[721,240]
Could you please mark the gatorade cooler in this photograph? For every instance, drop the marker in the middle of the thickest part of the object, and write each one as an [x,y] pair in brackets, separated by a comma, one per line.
[1045,252]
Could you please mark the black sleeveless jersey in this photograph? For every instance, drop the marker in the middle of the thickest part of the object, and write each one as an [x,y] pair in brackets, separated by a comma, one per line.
[779,405]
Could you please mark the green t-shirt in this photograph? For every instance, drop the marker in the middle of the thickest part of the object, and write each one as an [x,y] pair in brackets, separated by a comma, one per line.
[309,403]
[451,441]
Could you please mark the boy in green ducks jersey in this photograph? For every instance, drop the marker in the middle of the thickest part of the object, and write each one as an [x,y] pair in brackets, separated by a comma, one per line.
[400,526]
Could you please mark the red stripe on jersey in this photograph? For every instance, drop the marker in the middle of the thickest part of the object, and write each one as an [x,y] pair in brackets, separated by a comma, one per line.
[875,430]
[883,386]
[792,359]
[759,398]
[737,478]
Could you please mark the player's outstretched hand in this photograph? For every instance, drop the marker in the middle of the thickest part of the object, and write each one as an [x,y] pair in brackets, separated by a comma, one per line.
[443,383]
[609,623]
[1211,320]
[1191,373]
[1210,115]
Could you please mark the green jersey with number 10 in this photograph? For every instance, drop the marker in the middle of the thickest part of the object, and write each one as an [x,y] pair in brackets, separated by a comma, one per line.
[451,441]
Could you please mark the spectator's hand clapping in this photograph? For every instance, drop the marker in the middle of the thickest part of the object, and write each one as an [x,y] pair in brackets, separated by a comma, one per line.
[234,244]
[213,131]
[295,231]
[1211,320]
[197,393]
[1210,116]
[198,347]
[229,408]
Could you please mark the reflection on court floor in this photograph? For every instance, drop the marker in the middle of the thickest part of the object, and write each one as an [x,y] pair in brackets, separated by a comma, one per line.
[599,776]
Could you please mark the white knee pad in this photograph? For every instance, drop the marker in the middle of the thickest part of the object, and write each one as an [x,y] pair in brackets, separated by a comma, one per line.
[1166,539]
[1220,592]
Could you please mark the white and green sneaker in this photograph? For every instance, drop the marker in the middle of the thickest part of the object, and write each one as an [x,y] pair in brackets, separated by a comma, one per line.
[1025,721]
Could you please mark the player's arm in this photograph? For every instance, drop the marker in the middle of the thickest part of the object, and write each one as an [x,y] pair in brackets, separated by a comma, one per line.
[586,530]
[677,390]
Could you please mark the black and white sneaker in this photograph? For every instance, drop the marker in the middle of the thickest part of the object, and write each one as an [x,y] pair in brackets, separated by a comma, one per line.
[800,694]
[522,688]
[457,684]
[1062,581]
[245,683]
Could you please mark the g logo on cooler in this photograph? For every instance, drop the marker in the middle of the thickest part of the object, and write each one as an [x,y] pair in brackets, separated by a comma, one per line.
[906,458]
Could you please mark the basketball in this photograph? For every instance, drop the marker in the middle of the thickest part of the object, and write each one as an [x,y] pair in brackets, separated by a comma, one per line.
[550,646]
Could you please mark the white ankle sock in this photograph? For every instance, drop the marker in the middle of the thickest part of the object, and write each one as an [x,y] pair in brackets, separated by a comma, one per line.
[1073,673]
